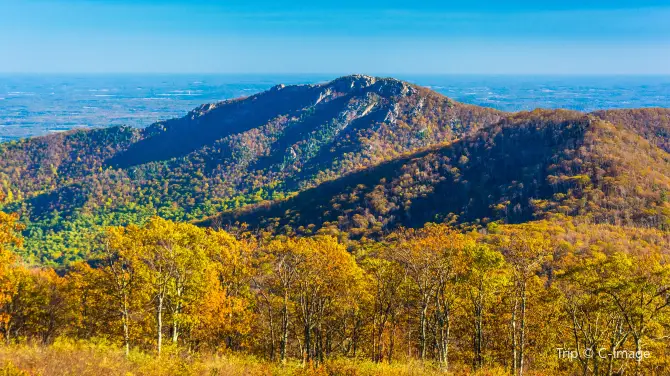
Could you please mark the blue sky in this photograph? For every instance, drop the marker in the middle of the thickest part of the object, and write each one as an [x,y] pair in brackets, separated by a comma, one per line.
[300,36]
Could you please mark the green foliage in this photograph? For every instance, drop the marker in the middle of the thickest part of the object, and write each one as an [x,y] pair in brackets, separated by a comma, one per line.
[218,158]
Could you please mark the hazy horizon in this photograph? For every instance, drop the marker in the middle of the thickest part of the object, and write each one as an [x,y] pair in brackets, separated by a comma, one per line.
[33,104]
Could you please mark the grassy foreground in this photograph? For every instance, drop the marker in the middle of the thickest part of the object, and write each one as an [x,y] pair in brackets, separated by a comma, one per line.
[99,359]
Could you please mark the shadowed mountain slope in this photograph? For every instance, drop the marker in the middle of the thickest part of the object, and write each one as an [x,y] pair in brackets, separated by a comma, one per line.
[528,166]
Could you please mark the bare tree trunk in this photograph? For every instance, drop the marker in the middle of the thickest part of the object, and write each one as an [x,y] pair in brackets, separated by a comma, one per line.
[422,339]
[478,335]
[596,360]
[175,329]
[610,361]
[442,322]
[307,352]
[176,311]
[379,339]
[478,342]
[319,346]
[409,342]
[355,335]
[391,340]
[617,338]
[284,330]
[354,344]
[444,338]
[159,323]
[638,348]
[126,329]
[375,326]
[522,334]
[329,343]
[272,333]
[514,339]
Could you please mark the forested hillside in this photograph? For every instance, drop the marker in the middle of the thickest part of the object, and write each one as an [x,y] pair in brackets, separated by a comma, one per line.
[525,167]
[539,298]
[220,156]
[363,226]
[388,153]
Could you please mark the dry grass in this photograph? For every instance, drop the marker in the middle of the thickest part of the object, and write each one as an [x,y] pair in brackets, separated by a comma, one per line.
[68,358]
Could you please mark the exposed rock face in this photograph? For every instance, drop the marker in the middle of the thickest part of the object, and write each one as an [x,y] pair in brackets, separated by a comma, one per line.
[353,82]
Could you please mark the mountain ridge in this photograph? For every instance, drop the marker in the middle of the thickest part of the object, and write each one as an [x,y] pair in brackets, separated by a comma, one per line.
[225,155]
[570,174]
[264,148]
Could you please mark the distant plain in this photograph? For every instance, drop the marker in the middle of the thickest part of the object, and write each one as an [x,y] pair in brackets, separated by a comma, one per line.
[32,105]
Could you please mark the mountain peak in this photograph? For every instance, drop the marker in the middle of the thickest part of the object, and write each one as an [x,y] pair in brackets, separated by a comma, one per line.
[354,81]
[383,86]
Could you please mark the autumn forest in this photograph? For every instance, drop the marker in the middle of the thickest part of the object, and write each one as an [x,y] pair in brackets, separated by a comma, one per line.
[363,226]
